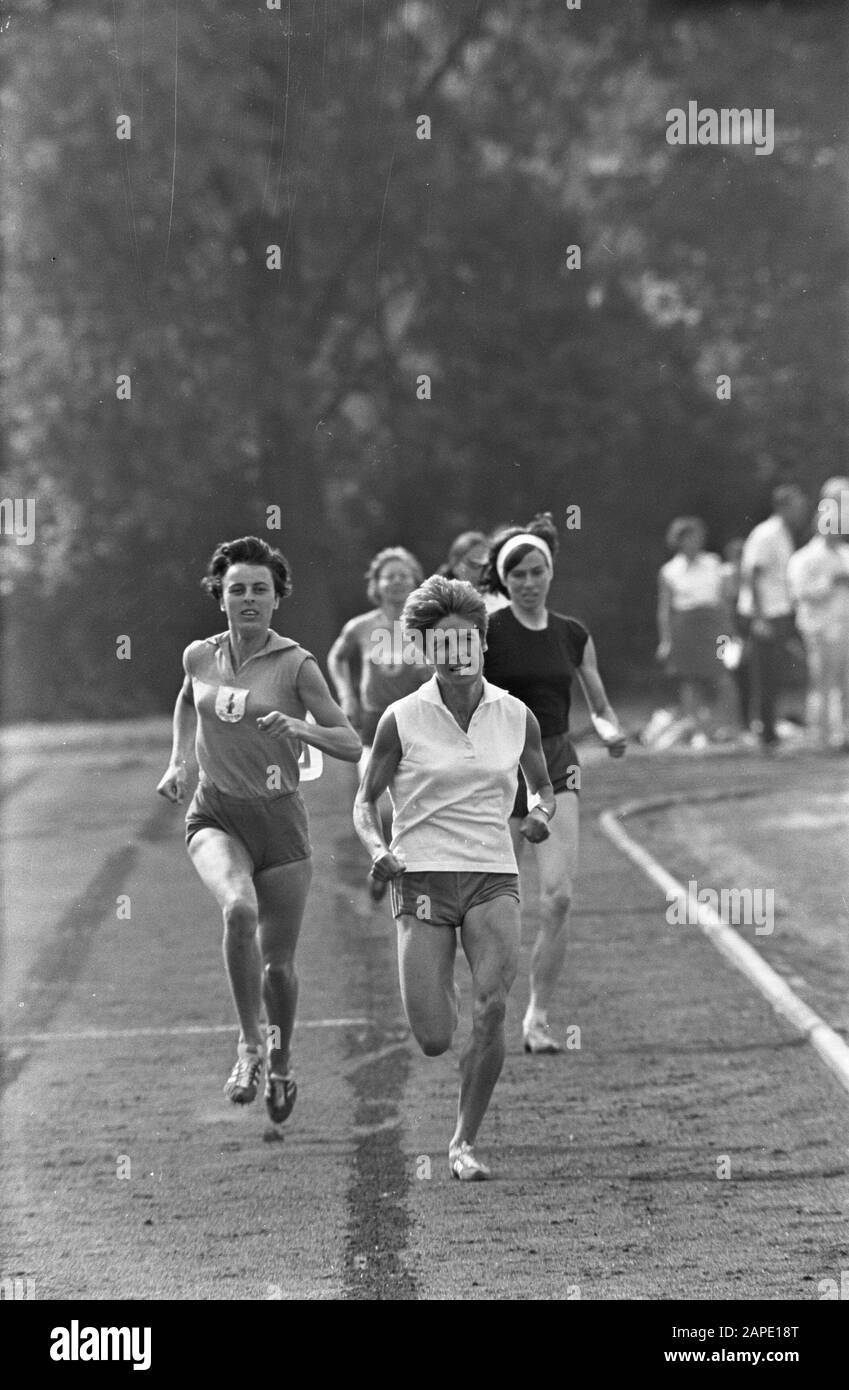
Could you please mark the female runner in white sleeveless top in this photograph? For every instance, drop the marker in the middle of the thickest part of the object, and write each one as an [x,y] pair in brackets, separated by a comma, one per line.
[246,828]
[449,755]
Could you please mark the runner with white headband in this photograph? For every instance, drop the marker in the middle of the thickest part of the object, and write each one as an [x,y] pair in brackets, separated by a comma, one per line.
[511,546]
[535,654]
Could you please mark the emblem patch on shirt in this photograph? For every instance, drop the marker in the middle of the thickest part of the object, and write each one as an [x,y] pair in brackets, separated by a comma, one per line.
[230,703]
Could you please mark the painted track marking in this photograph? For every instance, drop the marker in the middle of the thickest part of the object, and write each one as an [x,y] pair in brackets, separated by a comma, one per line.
[828,1044]
[189,1030]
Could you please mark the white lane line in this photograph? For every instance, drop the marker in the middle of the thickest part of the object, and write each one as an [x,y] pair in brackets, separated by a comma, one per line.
[830,1046]
[190,1030]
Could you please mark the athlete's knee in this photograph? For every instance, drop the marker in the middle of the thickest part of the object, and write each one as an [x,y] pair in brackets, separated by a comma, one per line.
[556,902]
[280,971]
[240,917]
[489,1011]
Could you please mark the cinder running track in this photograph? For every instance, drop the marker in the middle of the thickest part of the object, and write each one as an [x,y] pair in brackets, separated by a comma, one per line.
[126,1173]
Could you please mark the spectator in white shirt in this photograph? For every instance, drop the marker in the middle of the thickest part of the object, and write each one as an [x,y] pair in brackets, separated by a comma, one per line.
[765,604]
[818,576]
[692,615]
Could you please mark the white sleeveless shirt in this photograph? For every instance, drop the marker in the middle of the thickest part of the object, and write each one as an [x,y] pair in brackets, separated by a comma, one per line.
[453,792]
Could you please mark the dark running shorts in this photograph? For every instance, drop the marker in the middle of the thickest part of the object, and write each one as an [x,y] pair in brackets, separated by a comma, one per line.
[562,760]
[443,899]
[274,830]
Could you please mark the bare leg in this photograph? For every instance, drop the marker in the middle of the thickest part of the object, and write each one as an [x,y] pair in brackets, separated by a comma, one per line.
[426,957]
[282,895]
[726,713]
[819,693]
[225,866]
[557,863]
[690,708]
[491,935]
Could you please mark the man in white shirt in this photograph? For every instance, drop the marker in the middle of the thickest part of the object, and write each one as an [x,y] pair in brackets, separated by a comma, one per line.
[818,576]
[765,604]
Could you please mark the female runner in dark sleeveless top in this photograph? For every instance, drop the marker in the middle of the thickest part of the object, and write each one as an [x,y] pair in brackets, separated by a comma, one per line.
[535,654]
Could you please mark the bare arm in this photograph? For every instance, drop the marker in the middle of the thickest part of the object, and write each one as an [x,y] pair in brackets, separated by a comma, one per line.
[331,732]
[757,555]
[535,770]
[344,674]
[173,784]
[382,765]
[600,708]
[664,620]
[755,582]
[805,584]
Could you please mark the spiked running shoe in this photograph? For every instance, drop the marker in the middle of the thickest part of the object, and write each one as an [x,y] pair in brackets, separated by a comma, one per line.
[465,1166]
[243,1081]
[281,1092]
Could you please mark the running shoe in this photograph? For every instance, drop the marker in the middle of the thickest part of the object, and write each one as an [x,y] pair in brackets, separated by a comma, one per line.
[538,1037]
[243,1081]
[465,1165]
[281,1092]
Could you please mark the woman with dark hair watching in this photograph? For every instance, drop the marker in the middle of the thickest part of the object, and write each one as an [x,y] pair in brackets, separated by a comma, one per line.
[365,662]
[535,654]
[250,690]
[449,754]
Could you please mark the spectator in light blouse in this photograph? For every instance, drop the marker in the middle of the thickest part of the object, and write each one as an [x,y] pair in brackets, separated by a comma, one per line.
[818,576]
[692,615]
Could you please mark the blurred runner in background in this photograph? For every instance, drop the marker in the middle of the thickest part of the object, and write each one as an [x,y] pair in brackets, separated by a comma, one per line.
[468,559]
[365,662]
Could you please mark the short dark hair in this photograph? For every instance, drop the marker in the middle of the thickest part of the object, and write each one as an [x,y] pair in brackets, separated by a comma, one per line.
[542,526]
[437,598]
[787,492]
[384,557]
[683,526]
[460,547]
[248,550]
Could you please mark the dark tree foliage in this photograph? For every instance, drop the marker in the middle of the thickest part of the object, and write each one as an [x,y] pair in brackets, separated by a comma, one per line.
[295,388]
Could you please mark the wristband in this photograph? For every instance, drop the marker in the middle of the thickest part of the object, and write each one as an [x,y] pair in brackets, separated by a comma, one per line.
[539,807]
